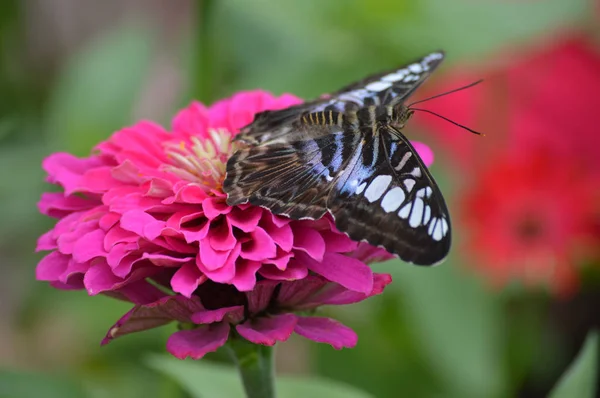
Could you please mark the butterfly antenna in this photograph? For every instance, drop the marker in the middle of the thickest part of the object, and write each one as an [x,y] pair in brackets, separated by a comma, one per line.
[448,120]
[448,92]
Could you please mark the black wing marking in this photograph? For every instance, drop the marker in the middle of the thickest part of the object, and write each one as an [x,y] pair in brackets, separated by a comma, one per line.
[387,197]
[375,186]
[392,86]
[293,178]
[385,88]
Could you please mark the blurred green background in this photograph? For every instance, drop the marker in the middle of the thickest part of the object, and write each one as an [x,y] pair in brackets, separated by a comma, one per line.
[74,71]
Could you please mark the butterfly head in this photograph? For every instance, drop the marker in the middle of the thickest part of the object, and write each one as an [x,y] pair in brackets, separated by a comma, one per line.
[400,115]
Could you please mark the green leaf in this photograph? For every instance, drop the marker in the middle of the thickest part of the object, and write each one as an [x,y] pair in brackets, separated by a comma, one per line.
[97,90]
[580,379]
[204,379]
[301,387]
[15,384]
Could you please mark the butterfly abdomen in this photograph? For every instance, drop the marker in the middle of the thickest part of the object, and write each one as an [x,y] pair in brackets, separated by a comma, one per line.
[323,118]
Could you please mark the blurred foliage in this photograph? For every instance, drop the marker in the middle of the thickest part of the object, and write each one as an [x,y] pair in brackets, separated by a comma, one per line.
[205,380]
[580,379]
[434,333]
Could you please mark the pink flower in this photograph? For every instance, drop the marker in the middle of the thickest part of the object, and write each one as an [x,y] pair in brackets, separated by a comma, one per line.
[148,204]
[262,316]
[146,210]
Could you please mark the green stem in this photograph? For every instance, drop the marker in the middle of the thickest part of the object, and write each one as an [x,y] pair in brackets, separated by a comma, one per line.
[202,69]
[256,365]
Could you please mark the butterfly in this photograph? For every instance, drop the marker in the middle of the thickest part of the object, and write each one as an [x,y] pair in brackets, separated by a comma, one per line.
[345,154]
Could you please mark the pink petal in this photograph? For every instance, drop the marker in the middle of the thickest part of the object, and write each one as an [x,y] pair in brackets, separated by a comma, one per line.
[139,292]
[214,207]
[166,260]
[295,293]
[57,204]
[157,313]
[99,180]
[348,272]
[338,242]
[279,221]
[190,193]
[282,235]
[245,275]
[425,153]
[247,219]
[325,330]
[135,321]
[118,252]
[46,242]
[191,121]
[142,224]
[227,271]
[108,220]
[127,172]
[309,241]
[210,258]
[197,231]
[158,187]
[89,246]
[281,261]
[186,279]
[74,268]
[259,247]
[198,342]
[117,235]
[221,237]
[260,297]
[67,239]
[369,254]
[100,277]
[51,267]
[66,170]
[339,295]
[294,271]
[212,316]
[268,331]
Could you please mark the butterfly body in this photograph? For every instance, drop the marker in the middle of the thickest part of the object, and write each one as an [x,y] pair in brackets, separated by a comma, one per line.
[345,154]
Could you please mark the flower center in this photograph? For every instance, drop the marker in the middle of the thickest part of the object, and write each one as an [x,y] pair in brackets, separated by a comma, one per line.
[201,161]
[530,228]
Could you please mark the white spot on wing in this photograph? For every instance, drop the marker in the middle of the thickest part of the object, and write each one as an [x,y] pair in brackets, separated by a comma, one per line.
[405,211]
[409,184]
[416,172]
[444,227]
[355,96]
[377,187]
[437,232]
[393,199]
[417,213]
[361,188]
[415,68]
[432,225]
[378,86]
[403,161]
[394,77]
[426,215]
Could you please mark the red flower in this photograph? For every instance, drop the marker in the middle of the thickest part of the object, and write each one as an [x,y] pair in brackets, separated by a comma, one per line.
[531,218]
